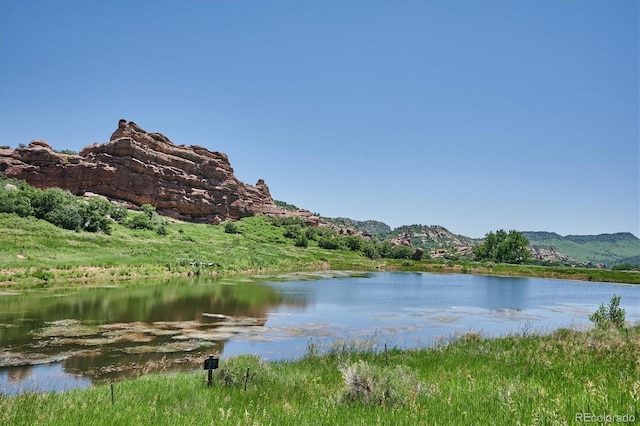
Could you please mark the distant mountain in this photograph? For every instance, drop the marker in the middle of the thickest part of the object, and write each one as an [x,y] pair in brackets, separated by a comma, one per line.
[609,249]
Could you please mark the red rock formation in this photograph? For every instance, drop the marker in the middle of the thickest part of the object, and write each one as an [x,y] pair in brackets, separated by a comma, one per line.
[188,183]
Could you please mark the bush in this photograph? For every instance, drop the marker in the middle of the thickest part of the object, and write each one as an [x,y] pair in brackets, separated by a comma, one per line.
[67,216]
[97,215]
[354,242]
[609,316]
[330,243]
[401,252]
[119,213]
[372,385]
[139,221]
[302,241]
[230,228]
[371,250]
[233,371]
[45,202]
[292,231]
[15,202]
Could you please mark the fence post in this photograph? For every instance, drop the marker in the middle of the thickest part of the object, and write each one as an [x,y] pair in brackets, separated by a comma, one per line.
[246,379]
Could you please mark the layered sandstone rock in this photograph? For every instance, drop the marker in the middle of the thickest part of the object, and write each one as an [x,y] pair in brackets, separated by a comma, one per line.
[188,183]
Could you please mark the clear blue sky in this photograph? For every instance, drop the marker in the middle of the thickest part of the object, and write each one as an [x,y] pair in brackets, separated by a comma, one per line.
[474,115]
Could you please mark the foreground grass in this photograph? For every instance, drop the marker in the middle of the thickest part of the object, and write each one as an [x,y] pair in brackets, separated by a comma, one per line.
[37,254]
[468,380]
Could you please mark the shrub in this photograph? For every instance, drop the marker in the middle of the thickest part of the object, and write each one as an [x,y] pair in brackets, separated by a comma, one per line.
[330,243]
[371,250]
[302,241]
[292,231]
[45,202]
[67,216]
[400,252]
[372,385]
[162,230]
[609,316]
[97,215]
[233,371]
[230,228]
[15,202]
[354,242]
[119,213]
[139,221]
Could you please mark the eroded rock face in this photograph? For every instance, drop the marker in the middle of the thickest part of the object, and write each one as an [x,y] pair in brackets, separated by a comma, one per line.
[188,183]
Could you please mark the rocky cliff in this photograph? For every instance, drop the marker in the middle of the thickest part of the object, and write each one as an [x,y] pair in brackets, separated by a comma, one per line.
[136,167]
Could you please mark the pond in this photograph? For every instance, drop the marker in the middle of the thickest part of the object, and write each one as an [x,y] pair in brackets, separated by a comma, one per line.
[52,341]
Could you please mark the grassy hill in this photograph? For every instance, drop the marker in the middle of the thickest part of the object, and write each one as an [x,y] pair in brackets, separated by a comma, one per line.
[609,249]
[36,251]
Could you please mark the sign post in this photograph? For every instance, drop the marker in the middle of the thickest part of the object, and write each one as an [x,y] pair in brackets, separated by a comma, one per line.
[210,364]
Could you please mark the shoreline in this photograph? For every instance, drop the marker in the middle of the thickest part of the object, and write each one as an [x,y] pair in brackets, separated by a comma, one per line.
[30,278]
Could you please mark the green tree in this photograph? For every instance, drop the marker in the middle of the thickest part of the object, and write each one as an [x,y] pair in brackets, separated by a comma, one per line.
[503,247]
[401,252]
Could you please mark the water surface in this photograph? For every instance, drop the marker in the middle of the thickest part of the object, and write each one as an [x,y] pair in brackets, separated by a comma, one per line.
[62,340]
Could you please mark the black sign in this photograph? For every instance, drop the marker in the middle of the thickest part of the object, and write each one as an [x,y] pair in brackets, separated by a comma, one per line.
[211,364]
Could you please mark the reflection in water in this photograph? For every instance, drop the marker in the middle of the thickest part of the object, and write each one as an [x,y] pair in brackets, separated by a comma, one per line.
[53,341]
[109,333]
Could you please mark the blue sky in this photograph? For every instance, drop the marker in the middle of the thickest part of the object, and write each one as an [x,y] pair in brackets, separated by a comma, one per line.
[473,115]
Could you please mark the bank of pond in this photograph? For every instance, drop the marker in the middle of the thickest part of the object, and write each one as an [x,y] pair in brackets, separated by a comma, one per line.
[73,338]
[564,377]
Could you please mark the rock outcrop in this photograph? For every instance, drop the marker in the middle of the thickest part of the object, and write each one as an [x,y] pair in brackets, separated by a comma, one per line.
[548,254]
[184,182]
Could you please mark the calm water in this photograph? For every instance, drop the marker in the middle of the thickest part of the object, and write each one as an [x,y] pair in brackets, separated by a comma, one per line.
[56,341]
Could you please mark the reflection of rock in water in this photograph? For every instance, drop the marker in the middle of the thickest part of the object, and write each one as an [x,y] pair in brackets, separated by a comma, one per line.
[19,374]
[143,348]
[134,348]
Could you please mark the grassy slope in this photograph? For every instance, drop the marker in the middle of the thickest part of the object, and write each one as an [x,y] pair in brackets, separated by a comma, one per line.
[511,380]
[35,253]
[33,249]
[607,249]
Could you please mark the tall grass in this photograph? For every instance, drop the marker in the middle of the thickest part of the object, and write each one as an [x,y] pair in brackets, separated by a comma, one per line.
[510,380]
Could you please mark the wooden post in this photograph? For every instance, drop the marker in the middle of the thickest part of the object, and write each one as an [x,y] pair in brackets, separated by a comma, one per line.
[246,379]
[113,401]
[386,355]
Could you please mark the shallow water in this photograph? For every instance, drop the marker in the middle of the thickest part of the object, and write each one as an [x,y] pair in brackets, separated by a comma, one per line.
[56,341]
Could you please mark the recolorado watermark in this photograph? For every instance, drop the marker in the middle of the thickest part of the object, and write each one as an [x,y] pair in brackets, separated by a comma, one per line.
[604,418]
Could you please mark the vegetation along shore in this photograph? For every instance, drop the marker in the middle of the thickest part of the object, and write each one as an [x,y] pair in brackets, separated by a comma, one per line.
[562,378]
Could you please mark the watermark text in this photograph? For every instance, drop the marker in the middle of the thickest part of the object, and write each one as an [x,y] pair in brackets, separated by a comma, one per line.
[604,418]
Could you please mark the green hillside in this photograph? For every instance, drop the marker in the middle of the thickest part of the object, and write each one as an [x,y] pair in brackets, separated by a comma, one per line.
[609,249]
